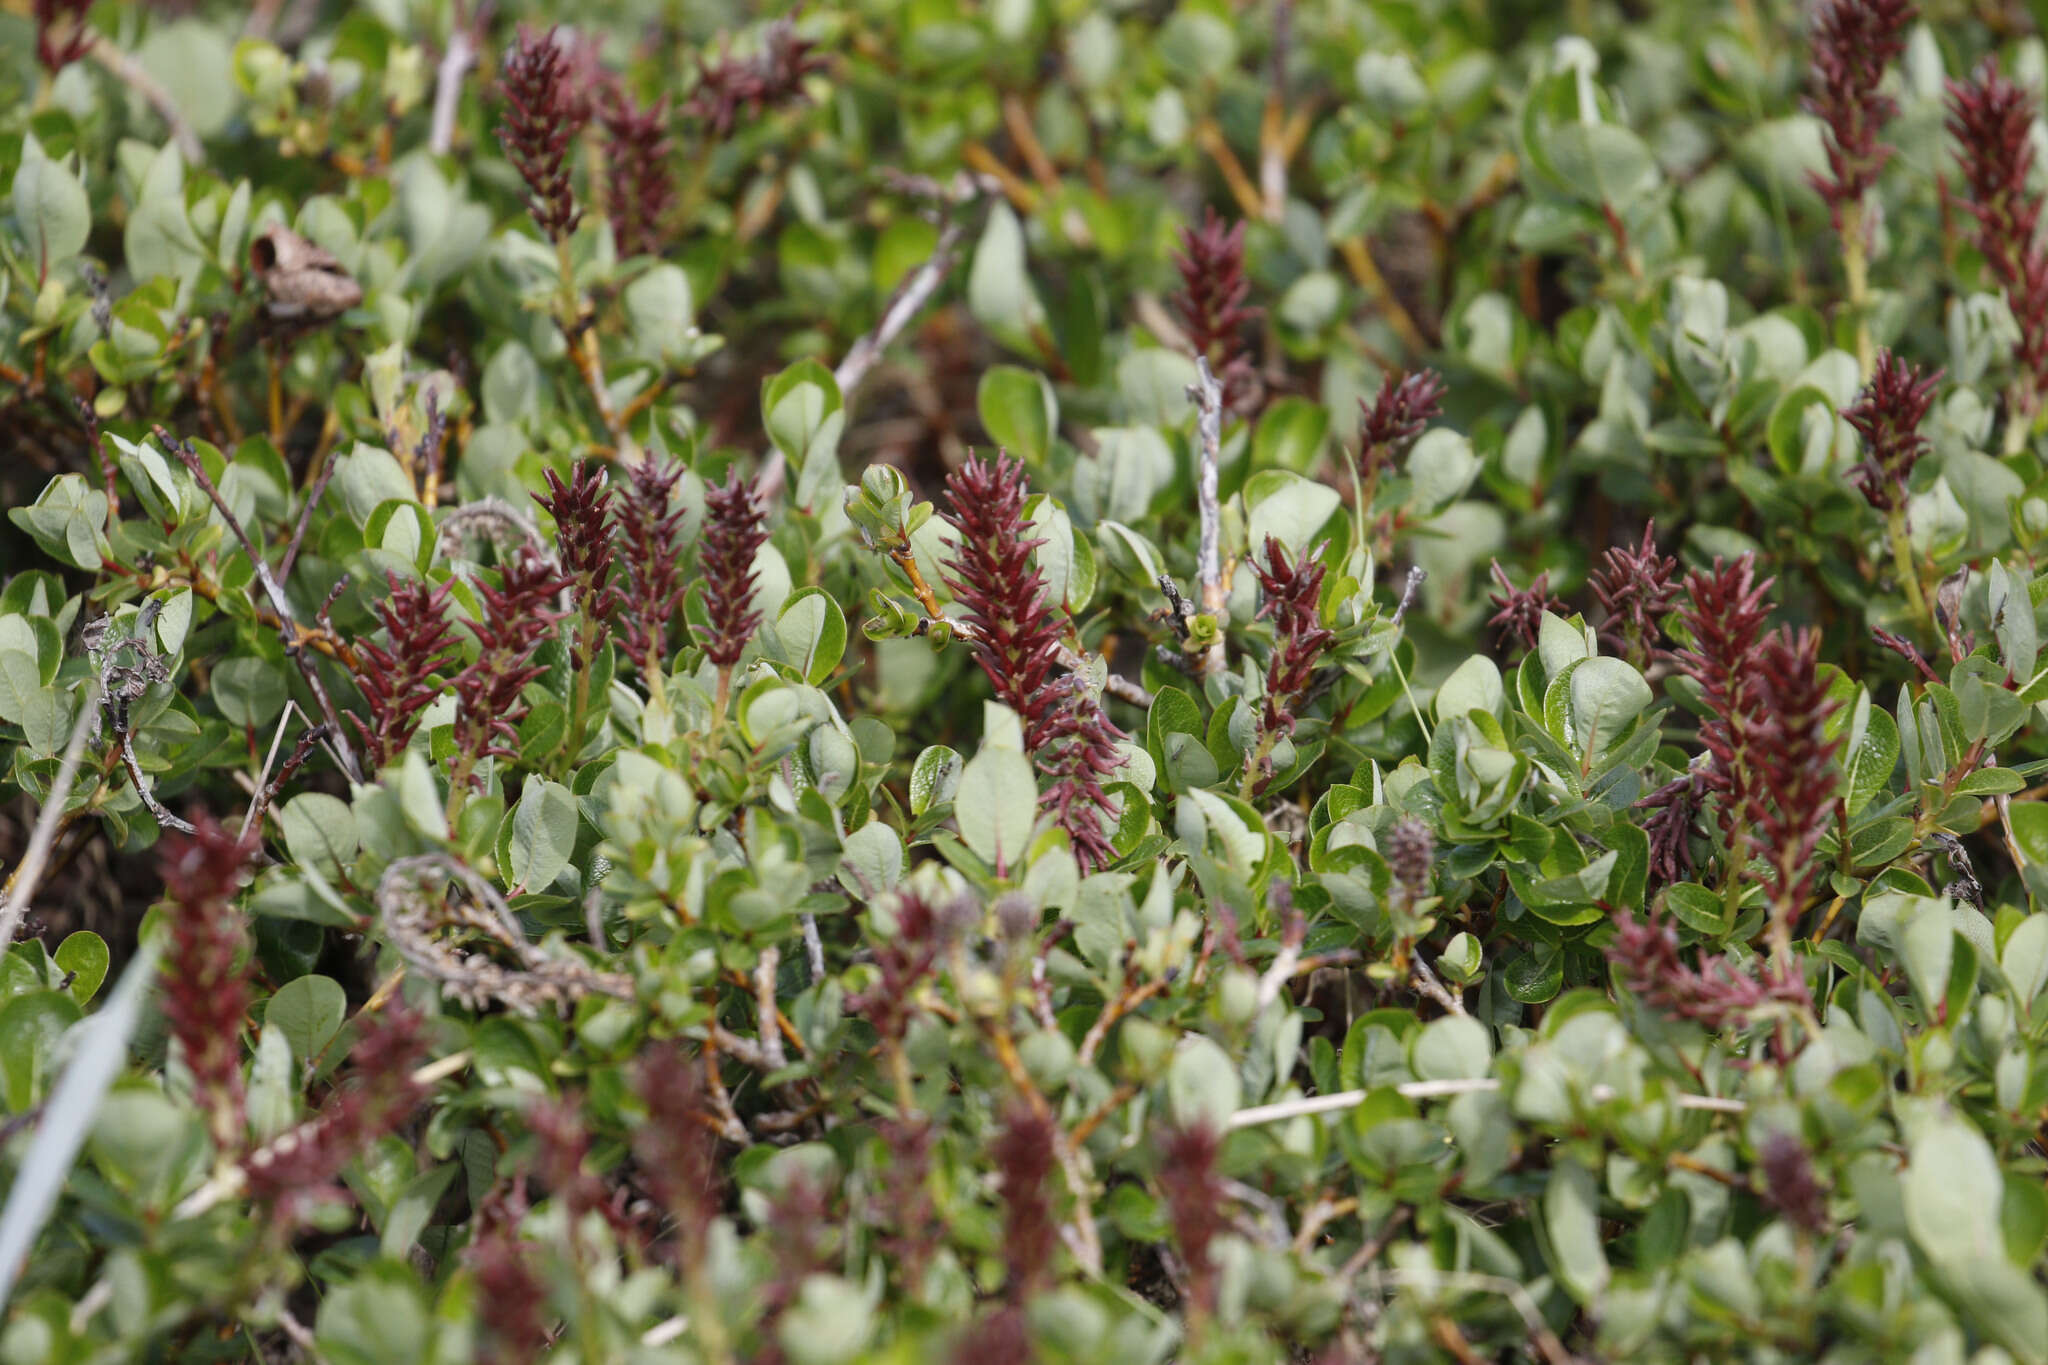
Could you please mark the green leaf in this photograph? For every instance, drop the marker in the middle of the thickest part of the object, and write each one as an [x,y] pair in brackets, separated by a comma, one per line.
[999,292]
[1474,685]
[997,805]
[1571,1226]
[193,62]
[2024,960]
[50,207]
[934,778]
[2012,620]
[661,313]
[374,1319]
[1602,163]
[1952,1191]
[1871,754]
[249,691]
[871,861]
[1202,1083]
[1019,410]
[84,958]
[1288,508]
[1440,468]
[804,415]
[1454,1048]
[1606,696]
[812,631]
[68,521]
[26,700]
[30,1025]
[308,1011]
[1926,947]
[158,237]
[1290,435]
[2030,829]
[319,831]
[543,835]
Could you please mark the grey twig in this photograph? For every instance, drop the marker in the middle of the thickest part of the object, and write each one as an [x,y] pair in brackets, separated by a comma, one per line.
[912,294]
[288,624]
[769,1011]
[1207,396]
[456,61]
[141,783]
[291,551]
[814,949]
[1416,578]
[1427,982]
[29,871]
[413,903]
[131,73]
[266,796]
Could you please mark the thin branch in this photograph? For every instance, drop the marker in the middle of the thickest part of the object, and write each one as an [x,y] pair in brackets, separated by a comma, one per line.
[1416,577]
[141,783]
[1209,137]
[289,630]
[267,797]
[764,1003]
[256,788]
[814,949]
[1429,1090]
[1273,148]
[1377,1243]
[1281,971]
[132,74]
[912,294]
[21,885]
[1358,256]
[1426,981]
[291,551]
[1207,396]
[448,77]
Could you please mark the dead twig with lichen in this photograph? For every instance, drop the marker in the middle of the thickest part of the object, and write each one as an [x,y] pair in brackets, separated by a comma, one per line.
[415,908]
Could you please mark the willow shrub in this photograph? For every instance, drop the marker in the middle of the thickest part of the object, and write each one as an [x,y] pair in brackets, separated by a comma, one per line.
[1367,685]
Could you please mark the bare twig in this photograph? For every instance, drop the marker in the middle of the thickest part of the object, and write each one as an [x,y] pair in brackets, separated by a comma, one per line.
[411,899]
[267,797]
[1281,971]
[1207,395]
[132,74]
[135,777]
[764,1002]
[814,949]
[1416,578]
[1209,137]
[455,64]
[300,1336]
[662,1333]
[1374,1245]
[288,631]
[1426,981]
[1427,1090]
[313,494]
[1273,148]
[912,294]
[1366,271]
[262,780]
[21,884]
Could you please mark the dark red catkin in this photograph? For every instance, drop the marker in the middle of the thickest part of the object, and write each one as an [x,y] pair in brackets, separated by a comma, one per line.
[1017,633]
